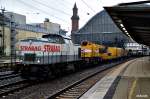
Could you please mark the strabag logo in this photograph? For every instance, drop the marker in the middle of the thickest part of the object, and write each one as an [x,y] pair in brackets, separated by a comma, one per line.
[46,48]
[51,48]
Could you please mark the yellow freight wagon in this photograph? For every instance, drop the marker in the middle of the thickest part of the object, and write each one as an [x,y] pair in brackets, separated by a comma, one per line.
[112,53]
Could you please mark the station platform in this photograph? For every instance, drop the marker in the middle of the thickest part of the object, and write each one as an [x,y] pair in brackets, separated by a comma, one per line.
[130,80]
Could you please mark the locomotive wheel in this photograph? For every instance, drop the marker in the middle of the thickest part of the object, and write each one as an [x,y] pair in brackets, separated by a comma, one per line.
[57,72]
[46,72]
[25,73]
[71,67]
[34,69]
[77,66]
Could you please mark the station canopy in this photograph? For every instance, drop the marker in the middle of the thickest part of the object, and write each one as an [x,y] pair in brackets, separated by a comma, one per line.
[133,19]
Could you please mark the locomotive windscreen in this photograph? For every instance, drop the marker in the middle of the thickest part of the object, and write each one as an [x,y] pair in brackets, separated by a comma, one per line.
[34,40]
[84,43]
[29,57]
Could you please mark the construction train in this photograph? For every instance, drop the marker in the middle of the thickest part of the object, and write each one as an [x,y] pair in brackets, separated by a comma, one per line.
[91,52]
[52,54]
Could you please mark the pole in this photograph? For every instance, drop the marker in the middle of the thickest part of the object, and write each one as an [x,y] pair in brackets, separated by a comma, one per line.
[3,31]
[13,39]
[11,51]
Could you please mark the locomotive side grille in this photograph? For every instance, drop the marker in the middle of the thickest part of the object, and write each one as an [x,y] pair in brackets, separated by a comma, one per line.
[29,57]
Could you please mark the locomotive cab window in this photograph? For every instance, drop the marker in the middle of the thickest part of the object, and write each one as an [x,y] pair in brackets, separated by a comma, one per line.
[84,43]
[29,57]
[54,39]
[109,54]
[67,41]
[103,50]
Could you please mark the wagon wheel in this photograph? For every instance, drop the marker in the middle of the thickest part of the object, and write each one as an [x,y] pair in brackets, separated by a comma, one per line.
[46,72]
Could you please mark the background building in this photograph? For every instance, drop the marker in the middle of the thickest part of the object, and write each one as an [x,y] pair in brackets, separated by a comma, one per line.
[22,32]
[101,29]
[52,28]
[14,28]
[17,18]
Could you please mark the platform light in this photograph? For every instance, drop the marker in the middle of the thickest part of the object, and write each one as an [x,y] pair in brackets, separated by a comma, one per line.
[121,25]
[124,29]
[20,60]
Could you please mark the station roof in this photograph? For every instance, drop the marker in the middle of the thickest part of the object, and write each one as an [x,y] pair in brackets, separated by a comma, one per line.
[133,19]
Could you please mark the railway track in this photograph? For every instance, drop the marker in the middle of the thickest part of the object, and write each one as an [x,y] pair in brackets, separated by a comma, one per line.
[77,89]
[57,89]
[7,76]
[5,73]
[12,88]
[12,83]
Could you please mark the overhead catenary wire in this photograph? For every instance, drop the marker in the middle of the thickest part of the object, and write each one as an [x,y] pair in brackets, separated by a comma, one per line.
[58,10]
[62,3]
[59,3]
[43,11]
[88,6]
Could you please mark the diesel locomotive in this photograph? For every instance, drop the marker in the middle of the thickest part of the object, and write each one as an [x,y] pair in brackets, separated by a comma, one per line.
[53,54]
[46,56]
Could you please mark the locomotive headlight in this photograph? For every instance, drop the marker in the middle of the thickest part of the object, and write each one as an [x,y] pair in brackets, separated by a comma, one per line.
[86,50]
[21,60]
[38,61]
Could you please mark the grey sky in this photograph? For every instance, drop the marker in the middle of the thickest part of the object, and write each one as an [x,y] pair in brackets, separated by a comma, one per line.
[58,11]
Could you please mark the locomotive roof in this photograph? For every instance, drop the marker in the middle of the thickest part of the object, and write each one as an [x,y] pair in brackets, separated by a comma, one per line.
[57,35]
[38,39]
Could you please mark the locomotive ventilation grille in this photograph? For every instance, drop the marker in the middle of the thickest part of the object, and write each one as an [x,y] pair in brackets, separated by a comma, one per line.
[29,57]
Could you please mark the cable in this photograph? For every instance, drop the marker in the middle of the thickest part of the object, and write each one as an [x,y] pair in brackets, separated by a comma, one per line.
[51,7]
[22,2]
[88,6]
[64,5]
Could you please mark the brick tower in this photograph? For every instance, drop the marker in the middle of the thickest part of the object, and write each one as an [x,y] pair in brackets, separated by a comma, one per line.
[75,19]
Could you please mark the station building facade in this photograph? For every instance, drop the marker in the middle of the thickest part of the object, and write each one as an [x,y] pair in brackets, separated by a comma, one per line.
[22,32]
[102,30]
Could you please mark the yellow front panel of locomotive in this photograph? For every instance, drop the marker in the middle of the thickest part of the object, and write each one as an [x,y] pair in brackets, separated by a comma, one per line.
[86,51]
[90,50]
[95,48]
[87,54]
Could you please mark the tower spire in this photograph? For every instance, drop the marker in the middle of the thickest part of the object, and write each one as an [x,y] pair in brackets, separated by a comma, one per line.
[75,6]
[75,19]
